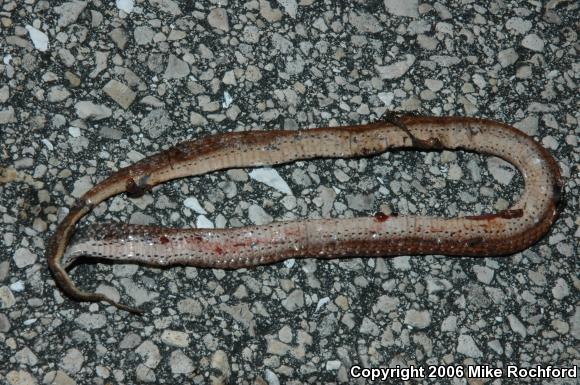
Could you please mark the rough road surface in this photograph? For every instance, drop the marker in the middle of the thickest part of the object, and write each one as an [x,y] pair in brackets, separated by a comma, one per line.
[87,87]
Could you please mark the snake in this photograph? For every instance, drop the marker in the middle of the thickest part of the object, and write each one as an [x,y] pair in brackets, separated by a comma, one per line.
[380,235]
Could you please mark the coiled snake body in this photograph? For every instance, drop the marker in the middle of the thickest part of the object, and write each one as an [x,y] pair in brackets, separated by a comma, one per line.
[501,233]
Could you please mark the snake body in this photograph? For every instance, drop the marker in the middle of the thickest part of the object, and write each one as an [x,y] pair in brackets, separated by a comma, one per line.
[501,233]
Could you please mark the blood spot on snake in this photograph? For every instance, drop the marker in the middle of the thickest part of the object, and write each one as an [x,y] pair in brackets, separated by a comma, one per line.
[381,217]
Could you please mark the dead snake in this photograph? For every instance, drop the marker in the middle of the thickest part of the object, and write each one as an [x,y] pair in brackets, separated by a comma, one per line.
[502,233]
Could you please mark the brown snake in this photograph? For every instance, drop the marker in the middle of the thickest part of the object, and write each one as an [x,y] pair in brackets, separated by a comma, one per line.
[502,233]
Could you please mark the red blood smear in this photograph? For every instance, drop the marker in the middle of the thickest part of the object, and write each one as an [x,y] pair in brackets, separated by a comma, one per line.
[218,250]
[194,239]
[381,217]
[163,239]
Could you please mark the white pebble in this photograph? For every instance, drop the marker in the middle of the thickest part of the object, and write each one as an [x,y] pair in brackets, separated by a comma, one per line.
[270,177]
[17,286]
[194,204]
[126,5]
[204,223]
[75,132]
[289,263]
[321,303]
[227,100]
[48,144]
[39,38]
